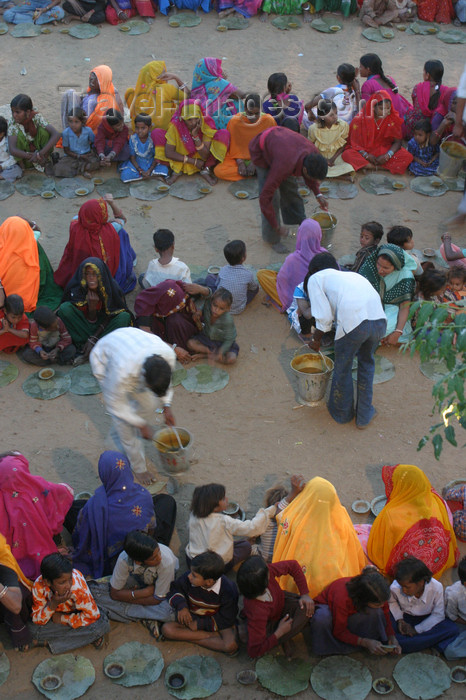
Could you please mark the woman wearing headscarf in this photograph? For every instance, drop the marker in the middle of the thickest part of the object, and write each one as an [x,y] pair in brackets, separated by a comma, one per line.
[210,88]
[388,273]
[19,261]
[15,601]
[101,95]
[415,521]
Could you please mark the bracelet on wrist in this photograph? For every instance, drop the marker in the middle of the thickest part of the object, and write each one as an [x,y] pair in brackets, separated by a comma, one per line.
[398,331]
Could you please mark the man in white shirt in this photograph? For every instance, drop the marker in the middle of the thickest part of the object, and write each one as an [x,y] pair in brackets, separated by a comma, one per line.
[348,300]
[134,370]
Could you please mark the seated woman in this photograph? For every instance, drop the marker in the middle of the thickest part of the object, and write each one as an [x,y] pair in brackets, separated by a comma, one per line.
[99,526]
[191,144]
[92,11]
[441,11]
[194,5]
[316,530]
[431,99]
[243,8]
[387,271]
[93,305]
[242,128]
[353,613]
[37,11]
[414,521]
[374,139]
[280,286]
[31,139]
[118,11]
[93,235]
[155,96]
[14,601]
[101,95]
[32,499]
[218,98]
[287,7]
[370,67]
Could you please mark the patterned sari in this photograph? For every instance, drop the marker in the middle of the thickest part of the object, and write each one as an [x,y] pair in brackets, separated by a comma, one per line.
[247,8]
[153,96]
[30,137]
[212,91]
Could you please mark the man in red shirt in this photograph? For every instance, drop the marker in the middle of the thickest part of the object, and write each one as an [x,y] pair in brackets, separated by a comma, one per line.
[280,156]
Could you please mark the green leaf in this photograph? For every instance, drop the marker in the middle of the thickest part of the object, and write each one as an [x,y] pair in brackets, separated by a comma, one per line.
[458,383]
[413,308]
[437,442]
[423,441]
[450,435]
[461,339]
[435,427]
[425,312]
[440,315]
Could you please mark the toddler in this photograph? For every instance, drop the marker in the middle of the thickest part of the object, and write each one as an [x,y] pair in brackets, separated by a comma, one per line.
[206,605]
[14,324]
[455,596]
[456,280]
[49,340]
[236,278]
[402,236]
[217,341]
[329,134]
[286,108]
[78,144]
[425,155]
[111,140]
[369,238]
[9,168]
[142,164]
[166,266]
[279,496]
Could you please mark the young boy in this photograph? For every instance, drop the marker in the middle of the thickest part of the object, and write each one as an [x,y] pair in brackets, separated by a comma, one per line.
[14,324]
[9,168]
[49,340]
[206,605]
[78,144]
[273,616]
[166,266]
[402,236]
[111,140]
[217,341]
[236,278]
[455,596]
[369,238]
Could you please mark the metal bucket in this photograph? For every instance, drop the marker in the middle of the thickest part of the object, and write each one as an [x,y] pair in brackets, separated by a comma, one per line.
[327,222]
[173,458]
[313,371]
[452,156]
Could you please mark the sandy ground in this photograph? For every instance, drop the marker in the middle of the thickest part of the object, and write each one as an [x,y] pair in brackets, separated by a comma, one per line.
[251,434]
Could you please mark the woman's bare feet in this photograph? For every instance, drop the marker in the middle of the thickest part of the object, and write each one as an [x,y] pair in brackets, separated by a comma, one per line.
[225,13]
[208,175]
[87,16]
[173,178]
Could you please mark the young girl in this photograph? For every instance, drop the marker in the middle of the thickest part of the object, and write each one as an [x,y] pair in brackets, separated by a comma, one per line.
[142,163]
[345,95]
[14,324]
[329,135]
[425,155]
[417,607]
[30,139]
[111,139]
[9,168]
[211,529]
[78,144]
[286,108]
[456,280]
[430,98]
[432,286]
[64,613]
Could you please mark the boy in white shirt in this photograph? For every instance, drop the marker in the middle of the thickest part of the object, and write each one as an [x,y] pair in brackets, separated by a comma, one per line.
[166,266]
[455,596]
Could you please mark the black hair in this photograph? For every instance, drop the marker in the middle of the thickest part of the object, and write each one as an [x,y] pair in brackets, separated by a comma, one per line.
[369,587]
[399,235]
[412,570]
[3,125]
[276,84]
[208,565]
[423,125]
[163,239]
[223,294]
[158,374]
[253,97]
[235,252]
[347,73]
[375,228]
[324,107]
[143,118]
[206,498]
[374,64]
[252,577]
[430,282]
[113,116]
[54,565]
[78,113]
[44,316]
[435,70]
[290,123]
[456,272]
[384,256]
[22,102]
[14,304]
[462,570]
[321,261]
[316,166]
[139,545]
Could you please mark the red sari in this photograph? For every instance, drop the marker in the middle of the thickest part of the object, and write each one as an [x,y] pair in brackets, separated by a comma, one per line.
[376,137]
[435,11]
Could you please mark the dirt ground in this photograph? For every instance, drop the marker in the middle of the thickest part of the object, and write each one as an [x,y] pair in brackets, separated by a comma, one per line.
[252,433]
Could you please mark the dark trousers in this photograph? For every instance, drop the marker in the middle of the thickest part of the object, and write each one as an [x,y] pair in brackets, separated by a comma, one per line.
[439,636]
[64,357]
[286,200]
[15,623]
[99,10]
[299,617]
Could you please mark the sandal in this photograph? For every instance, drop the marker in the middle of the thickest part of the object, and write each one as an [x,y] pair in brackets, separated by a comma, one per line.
[154,629]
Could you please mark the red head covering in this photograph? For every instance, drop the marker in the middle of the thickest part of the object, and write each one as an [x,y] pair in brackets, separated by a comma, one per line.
[367,133]
[161,301]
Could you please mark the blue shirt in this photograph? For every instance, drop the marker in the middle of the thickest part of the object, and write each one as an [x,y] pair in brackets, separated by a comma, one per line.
[78,144]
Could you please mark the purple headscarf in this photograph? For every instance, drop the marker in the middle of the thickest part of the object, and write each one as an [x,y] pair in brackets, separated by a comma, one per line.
[294,269]
[115,509]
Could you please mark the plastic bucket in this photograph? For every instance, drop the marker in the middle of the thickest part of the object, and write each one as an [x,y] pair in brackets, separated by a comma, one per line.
[452,155]
[173,459]
[313,372]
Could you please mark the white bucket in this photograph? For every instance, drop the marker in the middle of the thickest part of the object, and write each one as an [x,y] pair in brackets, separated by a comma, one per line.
[313,371]
[452,156]
[173,458]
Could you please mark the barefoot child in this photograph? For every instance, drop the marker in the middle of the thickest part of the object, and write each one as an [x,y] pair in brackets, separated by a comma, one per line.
[49,340]
[425,155]
[236,278]
[14,324]
[166,266]
[402,236]
[111,140]
[370,237]
[206,605]
[9,168]
[78,143]
[217,341]
[142,163]
[329,134]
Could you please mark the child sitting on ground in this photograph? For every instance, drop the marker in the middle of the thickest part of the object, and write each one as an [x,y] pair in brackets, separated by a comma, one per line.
[431,286]
[451,253]
[111,140]
[236,278]
[217,341]
[273,616]
[402,236]
[456,280]
[369,238]
[345,95]
[417,606]
[279,496]
[49,340]
[286,108]
[206,605]
[9,168]
[425,155]
[166,266]
[455,596]
[64,613]
[330,134]
[78,144]
[210,529]
[142,164]
[14,324]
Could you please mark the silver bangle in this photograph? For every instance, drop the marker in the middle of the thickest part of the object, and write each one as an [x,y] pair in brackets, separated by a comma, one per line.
[4,592]
[132,595]
[319,195]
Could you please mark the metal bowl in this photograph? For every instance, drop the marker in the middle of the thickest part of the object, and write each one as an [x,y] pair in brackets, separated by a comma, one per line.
[246,677]
[213,269]
[383,686]
[360,506]
[51,682]
[429,252]
[458,674]
[176,681]
[377,504]
[47,373]
[114,670]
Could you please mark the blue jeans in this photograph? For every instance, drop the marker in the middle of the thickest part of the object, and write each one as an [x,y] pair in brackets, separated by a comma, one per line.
[362,343]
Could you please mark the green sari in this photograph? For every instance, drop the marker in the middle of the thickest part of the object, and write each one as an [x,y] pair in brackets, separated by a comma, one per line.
[283,7]
[28,143]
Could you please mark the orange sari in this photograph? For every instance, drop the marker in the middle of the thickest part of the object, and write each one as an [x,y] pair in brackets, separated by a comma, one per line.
[241,133]
[7,559]
[19,261]
[106,98]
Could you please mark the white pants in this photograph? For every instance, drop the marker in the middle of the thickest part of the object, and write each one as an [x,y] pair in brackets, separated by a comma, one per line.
[128,438]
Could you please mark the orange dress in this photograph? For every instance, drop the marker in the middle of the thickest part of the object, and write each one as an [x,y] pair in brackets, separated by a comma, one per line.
[19,261]
[241,133]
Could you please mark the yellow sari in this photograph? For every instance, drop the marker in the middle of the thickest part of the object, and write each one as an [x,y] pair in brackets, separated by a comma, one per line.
[7,559]
[316,530]
[152,96]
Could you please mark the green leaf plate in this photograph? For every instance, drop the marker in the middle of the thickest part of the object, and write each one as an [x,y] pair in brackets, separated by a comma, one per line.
[205,379]
[431,186]
[77,673]
[83,382]
[384,370]
[33,184]
[437,259]
[187,188]
[421,27]
[379,34]
[4,668]
[143,663]
[341,678]
[3,28]
[282,676]
[8,373]
[233,22]
[422,676]
[25,30]
[377,184]
[435,370]
[286,22]
[249,185]
[136,26]
[454,184]
[84,31]
[67,186]
[115,187]
[184,19]
[6,189]
[178,375]
[340,190]
[327,25]
[47,389]
[147,190]
[202,673]
[452,36]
